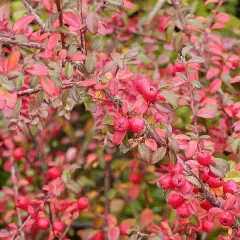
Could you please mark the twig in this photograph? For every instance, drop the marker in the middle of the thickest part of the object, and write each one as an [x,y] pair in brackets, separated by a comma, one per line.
[59,8]
[7,40]
[33,12]
[155,10]
[66,231]
[82,34]
[51,219]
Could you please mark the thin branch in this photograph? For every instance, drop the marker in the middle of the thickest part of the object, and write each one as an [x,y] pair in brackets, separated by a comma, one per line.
[59,8]
[33,12]
[82,34]
[51,219]
[8,40]
[155,10]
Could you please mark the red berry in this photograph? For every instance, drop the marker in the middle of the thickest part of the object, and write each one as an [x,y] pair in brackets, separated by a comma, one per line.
[22,202]
[205,175]
[150,94]
[207,226]
[178,180]
[204,158]
[165,181]
[179,67]
[215,182]
[230,187]
[54,172]
[205,205]
[43,223]
[98,236]
[182,211]
[226,218]
[136,124]
[58,226]
[178,168]
[175,199]
[120,124]
[18,153]
[123,228]
[83,203]
[135,178]
[142,85]
[186,188]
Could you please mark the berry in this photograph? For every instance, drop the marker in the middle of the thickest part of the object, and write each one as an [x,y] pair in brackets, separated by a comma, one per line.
[142,84]
[18,153]
[204,158]
[54,172]
[165,181]
[135,178]
[226,218]
[186,188]
[230,187]
[136,124]
[205,205]
[22,202]
[178,180]
[43,223]
[175,199]
[178,168]
[182,211]
[83,203]
[120,124]
[207,226]
[58,226]
[123,228]
[98,236]
[215,182]
[205,175]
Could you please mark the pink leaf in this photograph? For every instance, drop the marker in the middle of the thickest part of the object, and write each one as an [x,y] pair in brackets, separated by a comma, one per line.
[212,72]
[128,5]
[37,70]
[52,41]
[222,17]
[48,5]
[22,23]
[13,60]
[134,191]
[118,137]
[215,85]
[146,217]
[151,144]
[218,26]
[192,147]
[72,19]
[229,202]
[235,79]
[114,233]
[92,23]
[78,56]
[206,112]
[113,86]
[9,97]
[49,86]
[87,83]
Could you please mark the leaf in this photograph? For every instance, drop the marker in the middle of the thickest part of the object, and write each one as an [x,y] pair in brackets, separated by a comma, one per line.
[186,50]
[197,60]
[13,60]
[219,167]
[146,217]
[193,180]
[48,5]
[116,2]
[144,151]
[151,144]
[53,41]
[191,150]
[132,53]
[8,85]
[206,112]
[113,233]
[235,79]
[233,175]
[212,72]
[158,155]
[171,98]
[10,97]
[22,23]
[109,66]
[113,86]
[49,86]
[133,237]
[235,145]
[75,94]
[68,70]
[90,63]
[37,70]
[78,56]
[72,19]
[92,23]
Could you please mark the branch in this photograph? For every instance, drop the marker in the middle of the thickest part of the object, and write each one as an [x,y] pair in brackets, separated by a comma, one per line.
[8,40]
[59,8]
[82,34]
[33,12]
[155,10]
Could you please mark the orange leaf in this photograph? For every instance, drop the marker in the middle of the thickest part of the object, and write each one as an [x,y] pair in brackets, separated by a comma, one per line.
[146,217]
[151,144]
[13,60]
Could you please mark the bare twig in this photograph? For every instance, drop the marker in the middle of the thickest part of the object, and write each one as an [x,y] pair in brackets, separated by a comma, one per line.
[82,34]
[155,10]
[59,8]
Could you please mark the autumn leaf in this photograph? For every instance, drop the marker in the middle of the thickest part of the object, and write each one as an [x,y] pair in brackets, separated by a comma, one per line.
[206,112]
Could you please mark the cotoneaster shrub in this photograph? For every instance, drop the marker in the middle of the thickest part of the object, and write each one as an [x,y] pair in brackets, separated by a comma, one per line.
[120,119]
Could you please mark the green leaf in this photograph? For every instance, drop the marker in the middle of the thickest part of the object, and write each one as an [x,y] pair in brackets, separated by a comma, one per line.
[40,97]
[34,81]
[75,94]
[98,43]
[193,180]
[235,145]
[8,85]
[158,155]
[197,60]
[186,50]
[19,81]
[68,70]
[17,108]
[193,219]
[171,98]
[233,175]
[144,151]
[90,63]
[57,81]
[118,3]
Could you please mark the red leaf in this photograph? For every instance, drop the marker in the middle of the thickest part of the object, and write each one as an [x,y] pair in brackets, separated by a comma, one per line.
[78,56]
[229,202]
[134,191]
[212,72]
[22,23]
[218,26]
[113,233]
[192,147]
[113,86]
[13,60]
[222,17]
[72,19]
[87,83]
[151,144]
[215,85]
[118,137]
[10,98]
[146,217]
[37,70]
[48,5]
[49,86]
[53,41]
[206,112]
[235,79]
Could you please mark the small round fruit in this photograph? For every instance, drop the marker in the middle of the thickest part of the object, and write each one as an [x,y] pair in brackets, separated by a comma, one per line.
[215,182]
[175,199]
[205,175]
[186,188]
[142,84]
[83,203]
[178,168]
[230,187]
[135,178]
[22,202]
[150,94]
[204,158]
[54,172]
[178,180]
[205,205]
[18,153]
[182,211]
[136,124]
[120,124]
[123,228]
[207,226]
[58,226]
[165,181]
[43,223]
[226,218]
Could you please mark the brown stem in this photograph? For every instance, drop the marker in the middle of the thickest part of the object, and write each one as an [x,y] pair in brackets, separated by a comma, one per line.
[8,40]
[33,12]
[59,8]
[51,219]
[82,33]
